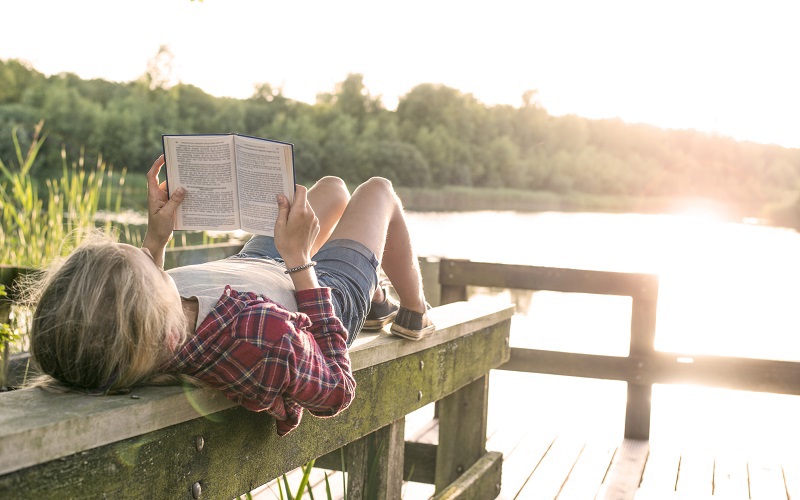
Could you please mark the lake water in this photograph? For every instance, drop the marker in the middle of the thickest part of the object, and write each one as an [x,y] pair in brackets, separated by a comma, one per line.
[726,288]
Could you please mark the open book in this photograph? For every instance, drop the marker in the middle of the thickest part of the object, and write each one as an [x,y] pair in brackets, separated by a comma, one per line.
[231,180]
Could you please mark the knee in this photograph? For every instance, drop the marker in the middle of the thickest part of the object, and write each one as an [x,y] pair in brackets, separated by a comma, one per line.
[334,188]
[379,184]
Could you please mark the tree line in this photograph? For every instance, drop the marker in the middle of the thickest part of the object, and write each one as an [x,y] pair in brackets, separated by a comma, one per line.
[437,136]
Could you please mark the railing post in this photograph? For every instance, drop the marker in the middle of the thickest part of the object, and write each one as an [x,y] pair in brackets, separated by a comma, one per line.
[642,350]
[375,464]
[462,431]
[450,292]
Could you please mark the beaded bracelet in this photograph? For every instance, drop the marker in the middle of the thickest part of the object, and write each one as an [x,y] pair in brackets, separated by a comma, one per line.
[300,268]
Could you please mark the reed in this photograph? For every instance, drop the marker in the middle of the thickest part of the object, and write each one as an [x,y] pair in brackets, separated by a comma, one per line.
[37,228]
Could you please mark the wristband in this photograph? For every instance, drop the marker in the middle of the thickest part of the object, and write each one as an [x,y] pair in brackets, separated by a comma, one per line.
[300,268]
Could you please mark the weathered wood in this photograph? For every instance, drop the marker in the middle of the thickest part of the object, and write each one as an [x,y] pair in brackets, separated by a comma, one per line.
[429,269]
[451,292]
[661,471]
[791,474]
[554,469]
[588,473]
[570,364]
[626,471]
[375,464]
[241,449]
[637,411]
[766,480]
[642,347]
[42,426]
[482,481]
[464,273]
[462,430]
[522,461]
[730,476]
[761,375]
[420,462]
[451,320]
[696,474]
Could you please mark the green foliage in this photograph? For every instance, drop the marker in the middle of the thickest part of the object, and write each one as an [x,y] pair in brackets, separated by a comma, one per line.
[6,333]
[33,228]
[438,136]
[302,487]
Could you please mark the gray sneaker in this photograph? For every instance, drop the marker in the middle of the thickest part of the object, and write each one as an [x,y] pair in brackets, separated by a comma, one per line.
[412,325]
[380,315]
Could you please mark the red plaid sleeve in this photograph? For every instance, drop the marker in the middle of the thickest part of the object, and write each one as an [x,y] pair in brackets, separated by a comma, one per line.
[269,359]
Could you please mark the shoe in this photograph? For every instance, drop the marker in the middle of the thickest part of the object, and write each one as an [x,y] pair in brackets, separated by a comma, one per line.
[381,314]
[412,325]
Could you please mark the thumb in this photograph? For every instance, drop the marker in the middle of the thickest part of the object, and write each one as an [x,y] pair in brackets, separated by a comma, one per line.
[283,209]
[171,206]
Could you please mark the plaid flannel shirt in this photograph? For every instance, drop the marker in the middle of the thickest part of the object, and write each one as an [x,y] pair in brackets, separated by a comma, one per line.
[266,358]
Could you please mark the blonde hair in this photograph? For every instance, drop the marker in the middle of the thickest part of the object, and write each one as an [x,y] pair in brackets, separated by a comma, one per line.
[100,324]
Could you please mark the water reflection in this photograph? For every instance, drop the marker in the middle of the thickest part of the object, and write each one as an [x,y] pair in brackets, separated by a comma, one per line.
[726,288]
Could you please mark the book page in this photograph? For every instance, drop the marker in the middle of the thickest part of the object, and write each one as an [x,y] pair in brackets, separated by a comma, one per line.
[264,169]
[204,166]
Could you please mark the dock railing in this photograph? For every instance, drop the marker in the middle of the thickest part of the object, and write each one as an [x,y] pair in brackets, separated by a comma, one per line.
[191,442]
[644,365]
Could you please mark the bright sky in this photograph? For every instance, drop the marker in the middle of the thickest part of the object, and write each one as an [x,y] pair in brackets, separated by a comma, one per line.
[723,66]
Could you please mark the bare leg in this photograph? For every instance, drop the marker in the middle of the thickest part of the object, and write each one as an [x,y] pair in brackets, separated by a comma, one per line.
[375,218]
[328,197]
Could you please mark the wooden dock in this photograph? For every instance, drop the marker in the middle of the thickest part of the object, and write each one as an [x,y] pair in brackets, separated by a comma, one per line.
[547,454]
[579,426]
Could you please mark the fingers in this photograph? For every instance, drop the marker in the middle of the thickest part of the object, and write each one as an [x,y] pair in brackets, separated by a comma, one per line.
[172,204]
[152,174]
[283,210]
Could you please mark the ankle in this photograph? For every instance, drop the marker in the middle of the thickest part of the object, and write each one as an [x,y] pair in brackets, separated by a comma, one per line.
[420,306]
[379,296]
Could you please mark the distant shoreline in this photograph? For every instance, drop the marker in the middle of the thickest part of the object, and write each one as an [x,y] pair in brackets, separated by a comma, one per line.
[451,198]
[470,199]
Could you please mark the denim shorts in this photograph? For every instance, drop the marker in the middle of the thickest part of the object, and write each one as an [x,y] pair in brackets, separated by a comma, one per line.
[346,266]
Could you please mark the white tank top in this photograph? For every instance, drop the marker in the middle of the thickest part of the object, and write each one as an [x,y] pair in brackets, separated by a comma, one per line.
[206,282]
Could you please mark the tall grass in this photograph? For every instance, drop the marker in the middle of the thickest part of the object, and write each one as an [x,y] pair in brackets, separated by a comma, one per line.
[34,229]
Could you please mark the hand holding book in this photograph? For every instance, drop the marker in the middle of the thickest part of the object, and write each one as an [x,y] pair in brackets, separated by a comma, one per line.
[231,180]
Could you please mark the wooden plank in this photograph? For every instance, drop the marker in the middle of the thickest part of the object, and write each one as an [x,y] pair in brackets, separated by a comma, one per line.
[696,474]
[791,476]
[420,463]
[166,462]
[522,461]
[375,463]
[642,346]
[760,375]
[464,272]
[570,364]
[626,470]
[553,470]
[43,426]
[766,480]
[782,377]
[462,431]
[452,321]
[586,477]
[479,482]
[637,411]
[661,471]
[730,477]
